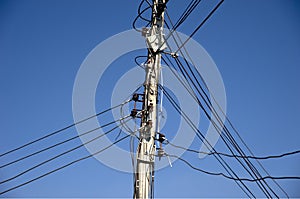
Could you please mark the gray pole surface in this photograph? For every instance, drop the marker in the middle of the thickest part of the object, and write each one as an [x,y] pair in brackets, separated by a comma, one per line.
[144,176]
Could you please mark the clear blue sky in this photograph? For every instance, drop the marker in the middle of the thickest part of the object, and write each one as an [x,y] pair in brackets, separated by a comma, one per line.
[255,44]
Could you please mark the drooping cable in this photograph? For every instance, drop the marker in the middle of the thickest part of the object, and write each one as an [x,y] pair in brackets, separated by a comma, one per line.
[60,130]
[200,135]
[64,153]
[218,125]
[138,63]
[231,178]
[139,16]
[253,169]
[55,145]
[64,166]
[238,156]
[217,128]
[208,100]
[219,107]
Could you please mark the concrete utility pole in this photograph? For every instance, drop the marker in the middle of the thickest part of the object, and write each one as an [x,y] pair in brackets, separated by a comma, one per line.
[144,177]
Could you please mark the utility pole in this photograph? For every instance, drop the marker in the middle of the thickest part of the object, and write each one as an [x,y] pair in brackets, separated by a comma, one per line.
[144,176]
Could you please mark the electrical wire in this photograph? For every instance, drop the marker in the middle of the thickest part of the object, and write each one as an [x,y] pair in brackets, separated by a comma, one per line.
[189,9]
[253,171]
[231,178]
[55,145]
[208,100]
[261,178]
[215,114]
[137,63]
[139,16]
[214,124]
[64,153]
[215,101]
[230,137]
[238,156]
[60,130]
[64,166]
[200,25]
[197,100]
[198,133]
[139,11]
[122,114]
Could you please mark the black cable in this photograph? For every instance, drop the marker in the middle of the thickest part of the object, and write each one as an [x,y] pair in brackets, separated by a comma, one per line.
[210,105]
[238,156]
[136,60]
[64,166]
[55,145]
[205,142]
[208,100]
[200,25]
[59,131]
[231,178]
[219,130]
[139,11]
[262,157]
[190,8]
[257,179]
[233,143]
[61,154]
[139,16]
[214,124]
[253,169]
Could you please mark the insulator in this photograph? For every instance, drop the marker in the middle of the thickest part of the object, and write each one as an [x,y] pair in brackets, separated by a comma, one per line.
[135,97]
[160,152]
[161,137]
[133,113]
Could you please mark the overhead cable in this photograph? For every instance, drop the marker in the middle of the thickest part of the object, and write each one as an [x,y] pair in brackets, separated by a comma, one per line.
[64,153]
[60,130]
[238,156]
[64,166]
[200,25]
[231,178]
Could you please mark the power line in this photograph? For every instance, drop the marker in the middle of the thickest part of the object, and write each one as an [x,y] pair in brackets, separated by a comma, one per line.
[136,60]
[210,105]
[231,178]
[253,172]
[190,8]
[236,156]
[61,154]
[64,166]
[60,130]
[230,138]
[200,25]
[198,133]
[226,117]
[207,98]
[57,144]
[184,72]
[140,16]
